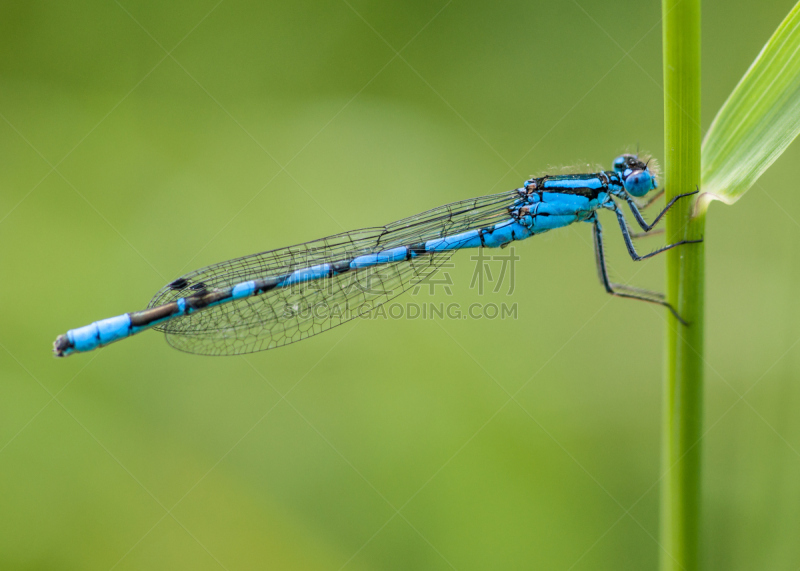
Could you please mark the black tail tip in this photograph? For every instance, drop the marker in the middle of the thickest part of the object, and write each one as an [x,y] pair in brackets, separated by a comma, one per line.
[61,345]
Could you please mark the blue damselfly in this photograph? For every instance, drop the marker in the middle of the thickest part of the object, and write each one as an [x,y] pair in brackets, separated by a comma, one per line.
[253,303]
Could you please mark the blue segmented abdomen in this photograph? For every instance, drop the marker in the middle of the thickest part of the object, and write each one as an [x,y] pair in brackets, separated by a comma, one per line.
[106,331]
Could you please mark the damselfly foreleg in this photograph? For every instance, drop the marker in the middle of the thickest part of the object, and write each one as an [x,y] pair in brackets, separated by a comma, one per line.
[637,235]
[621,290]
[623,225]
[638,215]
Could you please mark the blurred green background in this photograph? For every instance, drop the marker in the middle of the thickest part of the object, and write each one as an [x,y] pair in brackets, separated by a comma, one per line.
[140,140]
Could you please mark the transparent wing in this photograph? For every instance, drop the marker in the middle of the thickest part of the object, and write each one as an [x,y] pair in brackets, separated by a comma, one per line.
[449,219]
[285,315]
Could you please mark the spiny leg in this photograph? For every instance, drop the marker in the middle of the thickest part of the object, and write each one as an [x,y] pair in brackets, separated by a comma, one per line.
[621,290]
[637,290]
[637,235]
[623,225]
[638,215]
[602,273]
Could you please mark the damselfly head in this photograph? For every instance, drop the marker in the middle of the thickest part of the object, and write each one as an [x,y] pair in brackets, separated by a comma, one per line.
[637,173]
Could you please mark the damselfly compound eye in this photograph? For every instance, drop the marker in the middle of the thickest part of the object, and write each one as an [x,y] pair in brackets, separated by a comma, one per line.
[639,182]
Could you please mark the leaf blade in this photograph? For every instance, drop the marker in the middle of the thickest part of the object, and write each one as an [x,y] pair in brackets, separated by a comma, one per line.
[760,118]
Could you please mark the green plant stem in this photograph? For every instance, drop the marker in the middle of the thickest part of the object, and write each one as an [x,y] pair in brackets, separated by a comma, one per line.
[683,386]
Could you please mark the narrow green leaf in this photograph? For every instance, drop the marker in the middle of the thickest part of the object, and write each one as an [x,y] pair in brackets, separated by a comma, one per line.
[759,119]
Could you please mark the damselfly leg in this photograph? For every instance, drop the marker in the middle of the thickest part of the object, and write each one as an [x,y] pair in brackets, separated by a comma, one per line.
[638,215]
[623,225]
[622,290]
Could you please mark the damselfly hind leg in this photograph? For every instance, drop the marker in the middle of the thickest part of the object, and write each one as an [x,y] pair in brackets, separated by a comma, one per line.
[621,290]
